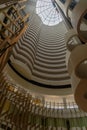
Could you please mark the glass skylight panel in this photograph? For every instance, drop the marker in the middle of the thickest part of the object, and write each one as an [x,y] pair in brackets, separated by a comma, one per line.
[48,13]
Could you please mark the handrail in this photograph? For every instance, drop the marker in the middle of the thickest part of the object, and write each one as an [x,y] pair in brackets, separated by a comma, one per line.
[20,109]
[12,27]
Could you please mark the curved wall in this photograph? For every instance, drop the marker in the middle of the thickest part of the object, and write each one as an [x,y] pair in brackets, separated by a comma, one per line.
[49,65]
[40,54]
[20,109]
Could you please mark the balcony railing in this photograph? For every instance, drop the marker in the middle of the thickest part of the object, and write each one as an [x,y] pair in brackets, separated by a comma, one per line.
[13,23]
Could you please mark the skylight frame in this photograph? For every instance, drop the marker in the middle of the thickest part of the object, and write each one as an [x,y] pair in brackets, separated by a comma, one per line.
[48,13]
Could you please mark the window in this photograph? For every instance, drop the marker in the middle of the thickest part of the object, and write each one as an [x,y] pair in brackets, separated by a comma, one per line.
[48,12]
[73,4]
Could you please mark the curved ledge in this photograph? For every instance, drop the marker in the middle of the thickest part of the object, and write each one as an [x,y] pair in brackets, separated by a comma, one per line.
[68,37]
[77,19]
[79,87]
[40,84]
[75,60]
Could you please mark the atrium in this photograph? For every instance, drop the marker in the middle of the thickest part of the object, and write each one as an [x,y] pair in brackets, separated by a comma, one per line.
[43,64]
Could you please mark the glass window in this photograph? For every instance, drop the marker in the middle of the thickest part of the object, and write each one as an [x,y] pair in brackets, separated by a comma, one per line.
[48,12]
[73,4]
[63,1]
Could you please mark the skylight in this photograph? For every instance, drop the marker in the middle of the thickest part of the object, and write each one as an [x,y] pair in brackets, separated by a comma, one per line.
[48,12]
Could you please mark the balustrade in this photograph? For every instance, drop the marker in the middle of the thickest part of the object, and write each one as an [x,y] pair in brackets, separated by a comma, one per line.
[12,25]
